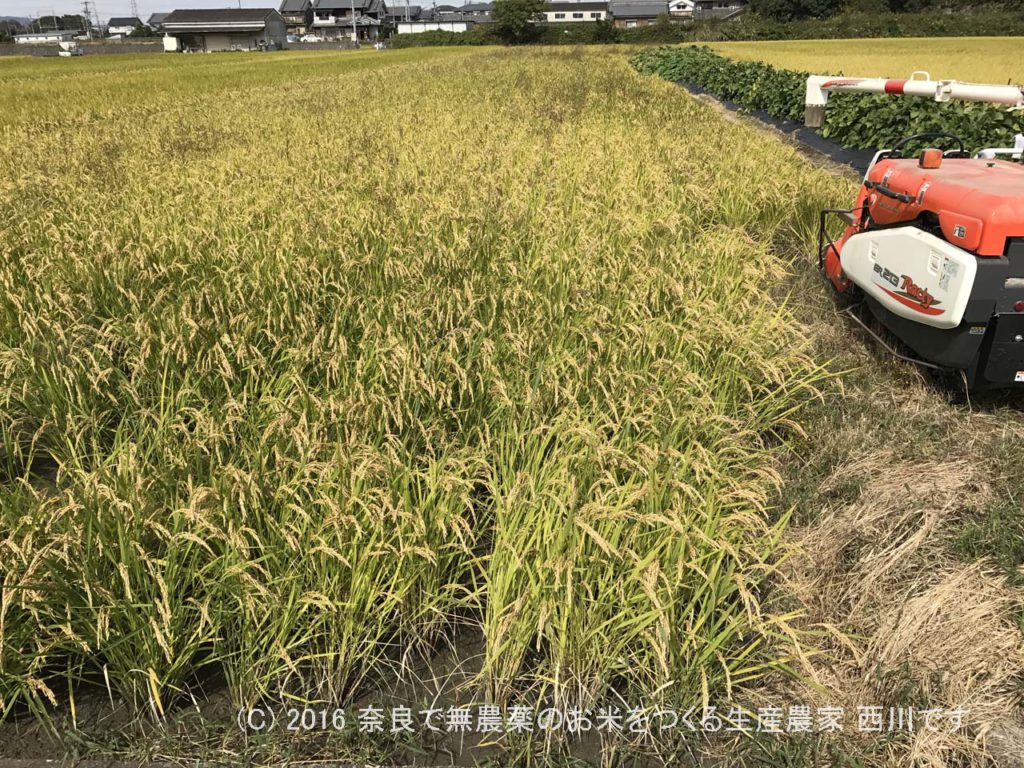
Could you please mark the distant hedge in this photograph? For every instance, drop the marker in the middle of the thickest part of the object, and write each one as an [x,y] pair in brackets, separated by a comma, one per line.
[856,121]
[936,23]
[543,34]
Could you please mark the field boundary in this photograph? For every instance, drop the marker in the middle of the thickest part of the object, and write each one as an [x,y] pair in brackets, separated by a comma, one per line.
[854,120]
[807,138]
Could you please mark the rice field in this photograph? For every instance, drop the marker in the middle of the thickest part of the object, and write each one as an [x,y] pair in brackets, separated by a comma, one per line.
[312,364]
[972,59]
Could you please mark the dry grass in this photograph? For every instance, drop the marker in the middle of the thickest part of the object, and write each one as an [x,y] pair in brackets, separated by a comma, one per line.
[911,625]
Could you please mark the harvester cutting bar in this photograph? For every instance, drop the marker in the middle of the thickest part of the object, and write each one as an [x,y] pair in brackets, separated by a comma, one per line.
[820,86]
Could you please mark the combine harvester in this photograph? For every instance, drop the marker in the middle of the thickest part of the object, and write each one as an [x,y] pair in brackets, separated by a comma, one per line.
[935,243]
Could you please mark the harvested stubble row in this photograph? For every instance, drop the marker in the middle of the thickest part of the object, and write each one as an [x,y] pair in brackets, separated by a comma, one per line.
[330,361]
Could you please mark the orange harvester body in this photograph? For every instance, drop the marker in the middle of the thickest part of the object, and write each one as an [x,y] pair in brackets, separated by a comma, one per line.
[936,246]
[984,197]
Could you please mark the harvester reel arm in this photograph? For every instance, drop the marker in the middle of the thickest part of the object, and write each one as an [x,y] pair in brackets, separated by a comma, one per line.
[820,86]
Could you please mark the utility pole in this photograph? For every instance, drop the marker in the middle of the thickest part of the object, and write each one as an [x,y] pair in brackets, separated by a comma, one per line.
[135,9]
[87,17]
[355,35]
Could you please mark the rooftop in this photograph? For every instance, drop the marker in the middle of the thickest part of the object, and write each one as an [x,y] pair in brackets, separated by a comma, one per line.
[570,7]
[346,5]
[193,17]
[638,9]
[48,32]
[399,10]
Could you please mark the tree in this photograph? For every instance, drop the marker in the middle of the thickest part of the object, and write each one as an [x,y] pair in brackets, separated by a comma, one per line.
[514,19]
[142,31]
[788,10]
[605,32]
[8,29]
[867,6]
[67,21]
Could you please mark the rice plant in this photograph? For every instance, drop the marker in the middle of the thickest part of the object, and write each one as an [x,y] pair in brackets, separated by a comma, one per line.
[308,361]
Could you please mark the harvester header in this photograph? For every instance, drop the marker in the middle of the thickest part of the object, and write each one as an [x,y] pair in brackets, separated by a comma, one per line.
[920,84]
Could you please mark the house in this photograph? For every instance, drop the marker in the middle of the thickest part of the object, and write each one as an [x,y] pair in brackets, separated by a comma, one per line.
[297,15]
[567,12]
[680,9]
[122,26]
[414,27]
[223,29]
[717,9]
[340,19]
[155,21]
[637,13]
[476,11]
[48,36]
[402,12]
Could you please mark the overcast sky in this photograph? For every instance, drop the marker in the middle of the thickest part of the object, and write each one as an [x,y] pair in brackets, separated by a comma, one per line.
[108,8]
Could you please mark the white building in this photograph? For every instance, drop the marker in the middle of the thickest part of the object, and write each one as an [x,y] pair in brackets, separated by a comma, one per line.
[223,29]
[47,36]
[340,19]
[122,26]
[568,12]
[414,27]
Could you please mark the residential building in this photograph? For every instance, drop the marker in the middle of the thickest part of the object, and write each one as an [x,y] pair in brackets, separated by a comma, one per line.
[717,9]
[476,11]
[223,29]
[415,27]
[297,15]
[122,26]
[637,13]
[568,12]
[47,36]
[680,9]
[155,20]
[398,11]
[336,19]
